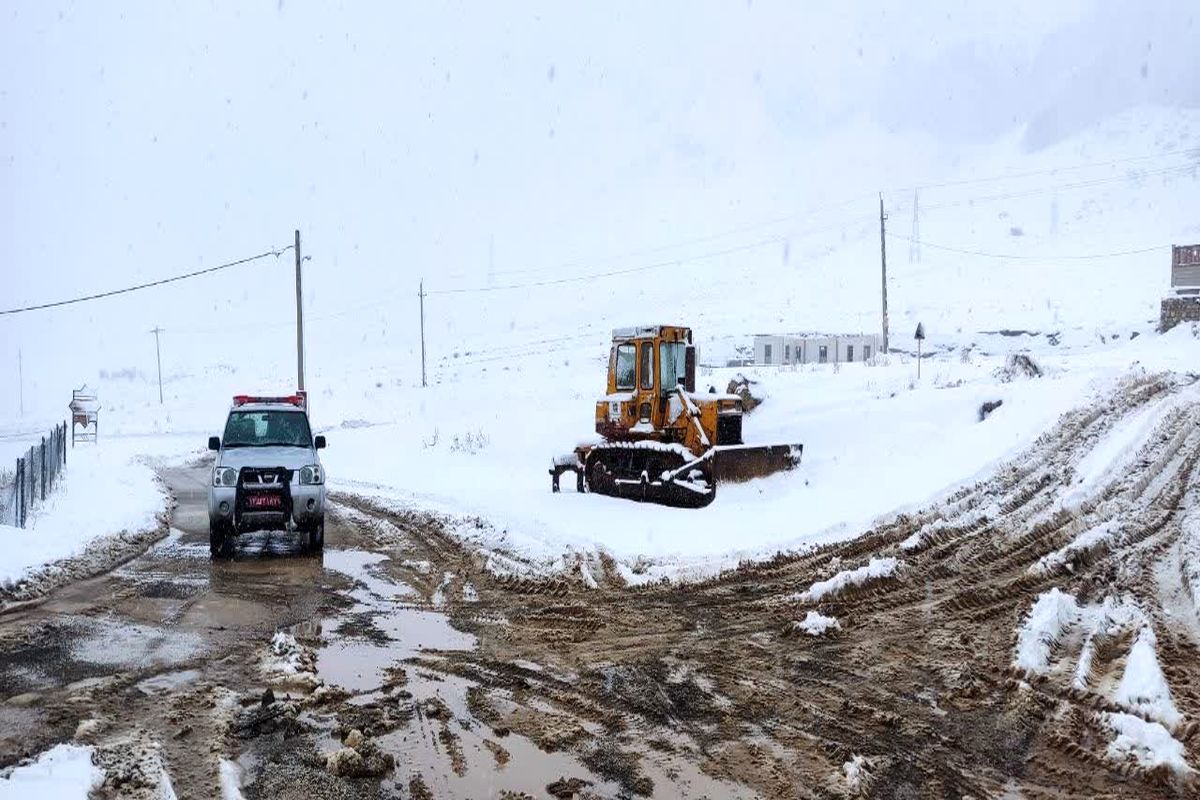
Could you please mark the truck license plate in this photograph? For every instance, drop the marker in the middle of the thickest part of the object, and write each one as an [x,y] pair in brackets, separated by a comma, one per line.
[264,501]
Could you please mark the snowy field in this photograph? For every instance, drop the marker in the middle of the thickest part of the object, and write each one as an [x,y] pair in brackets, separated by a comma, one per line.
[877,441]
[106,492]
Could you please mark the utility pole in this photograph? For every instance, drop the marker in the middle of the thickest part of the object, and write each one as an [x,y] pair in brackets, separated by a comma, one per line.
[883,259]
[421,294]
[158,356]
[21,381]
[299,321]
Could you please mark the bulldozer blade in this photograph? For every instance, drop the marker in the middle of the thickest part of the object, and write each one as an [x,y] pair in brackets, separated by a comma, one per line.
[742,462]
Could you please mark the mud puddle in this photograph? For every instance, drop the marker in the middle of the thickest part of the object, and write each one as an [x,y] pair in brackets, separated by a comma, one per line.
[383,627]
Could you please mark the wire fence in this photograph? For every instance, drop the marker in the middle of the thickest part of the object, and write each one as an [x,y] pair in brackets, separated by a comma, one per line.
[35,476]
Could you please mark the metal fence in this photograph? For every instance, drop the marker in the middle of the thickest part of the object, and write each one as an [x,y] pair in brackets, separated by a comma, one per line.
[36,475]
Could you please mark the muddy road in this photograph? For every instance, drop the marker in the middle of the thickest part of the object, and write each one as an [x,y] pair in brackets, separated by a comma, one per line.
[398,666]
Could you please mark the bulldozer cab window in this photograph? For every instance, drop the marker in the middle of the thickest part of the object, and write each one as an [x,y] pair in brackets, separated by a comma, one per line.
[647,365]
[626,366]
[672,365]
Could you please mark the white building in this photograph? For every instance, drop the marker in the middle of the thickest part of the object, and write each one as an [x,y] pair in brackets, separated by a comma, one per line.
[814,348]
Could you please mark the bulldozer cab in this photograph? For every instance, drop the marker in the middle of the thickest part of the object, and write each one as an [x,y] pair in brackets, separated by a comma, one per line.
[648,363]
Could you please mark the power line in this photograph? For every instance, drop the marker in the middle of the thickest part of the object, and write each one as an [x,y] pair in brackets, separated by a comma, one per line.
[814,210]
[1191,152]
[712,237]
[140,286]
[1087,257]
[612,273]
[1087,184]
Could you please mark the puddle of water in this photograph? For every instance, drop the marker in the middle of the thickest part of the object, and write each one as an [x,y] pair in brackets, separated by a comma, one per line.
[167,682]
[419,750]
[108,642]
[357,564]
[357,663]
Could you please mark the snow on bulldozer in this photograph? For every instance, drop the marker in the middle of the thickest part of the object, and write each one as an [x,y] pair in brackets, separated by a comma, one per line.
[661,441]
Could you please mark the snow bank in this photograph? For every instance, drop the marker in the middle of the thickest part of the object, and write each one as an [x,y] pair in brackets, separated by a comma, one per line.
[815,624]
[105,491]
[1189,553]
[1148,743]
[853,771]
[288,664]
[1083,543]
[231,780]
[1143,687]
[875,569]
[64,772]
[1055,613]
[1050,616]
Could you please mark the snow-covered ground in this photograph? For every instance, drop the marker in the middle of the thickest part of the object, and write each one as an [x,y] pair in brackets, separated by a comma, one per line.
[876,441]
[106,491]
[65,772]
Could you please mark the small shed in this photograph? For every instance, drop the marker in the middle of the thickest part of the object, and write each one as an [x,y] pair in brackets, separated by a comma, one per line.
[1183,303]
[814,348]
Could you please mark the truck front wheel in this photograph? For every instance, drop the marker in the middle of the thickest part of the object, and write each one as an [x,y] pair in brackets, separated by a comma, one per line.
[316,536]
[220,542]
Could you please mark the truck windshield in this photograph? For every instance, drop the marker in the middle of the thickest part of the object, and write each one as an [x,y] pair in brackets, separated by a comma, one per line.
[267,429]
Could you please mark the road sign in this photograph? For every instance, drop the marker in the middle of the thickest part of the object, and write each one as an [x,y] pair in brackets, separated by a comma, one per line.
[920,337]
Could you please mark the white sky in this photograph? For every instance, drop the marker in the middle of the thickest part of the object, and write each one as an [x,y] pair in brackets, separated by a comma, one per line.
[144,139]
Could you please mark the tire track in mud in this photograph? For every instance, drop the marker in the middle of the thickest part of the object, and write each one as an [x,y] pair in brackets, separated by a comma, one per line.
[918,680]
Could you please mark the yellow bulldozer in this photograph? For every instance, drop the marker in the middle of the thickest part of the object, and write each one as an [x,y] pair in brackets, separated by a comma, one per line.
[662,441]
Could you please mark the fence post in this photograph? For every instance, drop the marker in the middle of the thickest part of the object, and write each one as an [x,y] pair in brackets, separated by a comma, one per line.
[28,470]
[20,515]
[43,463]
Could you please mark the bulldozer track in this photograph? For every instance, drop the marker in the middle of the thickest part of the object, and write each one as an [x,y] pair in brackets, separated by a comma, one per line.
[918,680]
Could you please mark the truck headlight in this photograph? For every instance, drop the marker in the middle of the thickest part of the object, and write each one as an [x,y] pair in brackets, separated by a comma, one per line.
[225,476]
[311,475]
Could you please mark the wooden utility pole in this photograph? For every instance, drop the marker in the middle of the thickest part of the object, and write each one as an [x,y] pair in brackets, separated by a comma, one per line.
[299,321]
[421,294]
[158,357]
[883,259]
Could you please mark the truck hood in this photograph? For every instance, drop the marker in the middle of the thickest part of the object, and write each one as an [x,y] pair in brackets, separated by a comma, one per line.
[290,457]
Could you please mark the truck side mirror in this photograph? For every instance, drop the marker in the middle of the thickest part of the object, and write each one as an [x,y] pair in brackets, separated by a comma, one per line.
[319,443]
[214,443]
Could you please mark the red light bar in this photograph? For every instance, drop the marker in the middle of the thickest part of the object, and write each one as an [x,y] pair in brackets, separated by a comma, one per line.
[292,399]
